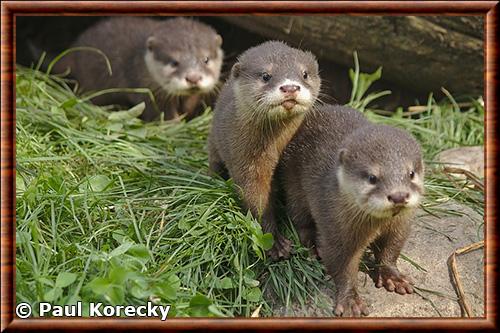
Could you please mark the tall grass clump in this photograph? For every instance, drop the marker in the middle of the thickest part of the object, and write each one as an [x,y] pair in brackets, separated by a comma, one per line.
[112,209]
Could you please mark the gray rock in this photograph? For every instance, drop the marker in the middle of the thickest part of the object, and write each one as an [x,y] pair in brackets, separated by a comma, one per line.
[467,158]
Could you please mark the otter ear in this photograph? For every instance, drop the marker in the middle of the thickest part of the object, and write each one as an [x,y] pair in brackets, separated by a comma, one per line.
[218,40]
[342,155]
[150,43]
[235,71]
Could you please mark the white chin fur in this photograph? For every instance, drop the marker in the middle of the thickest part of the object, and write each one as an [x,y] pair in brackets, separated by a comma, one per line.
[178,86]
[161,74]
[275,97]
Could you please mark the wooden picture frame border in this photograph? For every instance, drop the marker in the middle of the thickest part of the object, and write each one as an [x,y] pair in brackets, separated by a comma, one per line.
[11,9]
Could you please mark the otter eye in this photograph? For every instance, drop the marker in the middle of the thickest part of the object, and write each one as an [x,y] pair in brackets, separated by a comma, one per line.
[372,179]
[412,174]
[305,75]
[206,60]
[266,77]
[173,63]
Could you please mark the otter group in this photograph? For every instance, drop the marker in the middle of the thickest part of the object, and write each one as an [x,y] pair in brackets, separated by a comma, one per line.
[348,184]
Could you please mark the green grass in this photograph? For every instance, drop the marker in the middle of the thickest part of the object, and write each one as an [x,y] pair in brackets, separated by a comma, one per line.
[112,209]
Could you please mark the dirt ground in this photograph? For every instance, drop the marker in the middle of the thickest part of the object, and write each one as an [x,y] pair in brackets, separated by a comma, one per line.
[432,241]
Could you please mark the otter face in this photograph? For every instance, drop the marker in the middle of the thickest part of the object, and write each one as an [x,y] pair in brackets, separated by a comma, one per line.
[381,171]
[184,70]
[274,80]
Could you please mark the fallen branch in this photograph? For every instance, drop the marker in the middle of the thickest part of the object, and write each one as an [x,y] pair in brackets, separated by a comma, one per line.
[469,175]
[452,264]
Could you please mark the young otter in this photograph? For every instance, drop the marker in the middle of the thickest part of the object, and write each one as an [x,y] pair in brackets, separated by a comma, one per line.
[178,59]
[348,184]
[259,109]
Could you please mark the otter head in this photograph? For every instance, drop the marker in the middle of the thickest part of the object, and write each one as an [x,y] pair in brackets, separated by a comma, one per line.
[184,57]
[275,80]
[380,170]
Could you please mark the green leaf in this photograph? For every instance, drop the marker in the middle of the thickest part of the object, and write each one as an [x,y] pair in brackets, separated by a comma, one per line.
[69,103]
[99,183]
[99,285]
[115,295]
[131,113]
[199,306]
[115,127]
[225,283]
[250,282]
[120,250]
[215,310]
[168,289]
[140,252]
[53,294]
[118,275]
[252,294]
[46,281]
[64,279]
[140,292]
[267,241]
[140,132]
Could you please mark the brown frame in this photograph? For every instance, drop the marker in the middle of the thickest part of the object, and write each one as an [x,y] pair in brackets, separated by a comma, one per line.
[12,8]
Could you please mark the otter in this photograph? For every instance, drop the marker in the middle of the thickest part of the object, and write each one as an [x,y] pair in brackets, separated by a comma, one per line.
[350,184]
[270,89]
[178,59]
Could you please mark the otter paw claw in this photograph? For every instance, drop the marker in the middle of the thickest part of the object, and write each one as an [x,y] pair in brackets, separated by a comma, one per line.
[392,280]
[281,248]
[351,306]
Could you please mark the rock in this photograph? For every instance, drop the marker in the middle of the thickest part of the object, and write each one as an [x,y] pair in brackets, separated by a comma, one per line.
[432,241]
[467,158]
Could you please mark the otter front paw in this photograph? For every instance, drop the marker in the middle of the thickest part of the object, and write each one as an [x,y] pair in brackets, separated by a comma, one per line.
[351,306]
[391,279]
[281,248]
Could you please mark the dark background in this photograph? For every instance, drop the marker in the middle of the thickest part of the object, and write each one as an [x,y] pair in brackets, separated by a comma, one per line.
[418,55]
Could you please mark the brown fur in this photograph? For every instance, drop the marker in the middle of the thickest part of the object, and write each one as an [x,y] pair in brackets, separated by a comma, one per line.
[325,212]
[247,138]
[125,41]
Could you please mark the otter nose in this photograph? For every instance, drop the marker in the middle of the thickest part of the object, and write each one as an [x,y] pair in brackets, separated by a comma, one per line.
[290,88]
[398,197]
[193,78]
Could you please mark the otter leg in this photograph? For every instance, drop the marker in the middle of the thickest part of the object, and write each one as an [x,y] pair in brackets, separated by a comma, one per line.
[307,235]
[215,162]
[344,266]
[171,109]
[340,252]
[387,248]
[304,224]
[190,106]
[150,112]
[259,193]
[282,246]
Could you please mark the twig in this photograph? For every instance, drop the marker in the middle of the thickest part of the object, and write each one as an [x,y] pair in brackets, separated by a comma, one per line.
[417,109]
[471,176]
[452,264]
